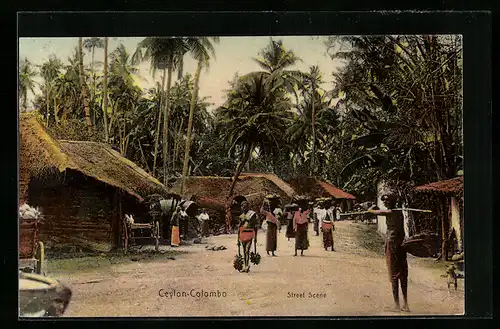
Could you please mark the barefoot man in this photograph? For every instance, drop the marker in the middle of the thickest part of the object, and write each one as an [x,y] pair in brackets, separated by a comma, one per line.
[395,253]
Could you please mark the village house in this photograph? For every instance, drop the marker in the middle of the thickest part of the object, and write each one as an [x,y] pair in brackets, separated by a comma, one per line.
[213,192]
[314,189]
[83,189]
[451,194]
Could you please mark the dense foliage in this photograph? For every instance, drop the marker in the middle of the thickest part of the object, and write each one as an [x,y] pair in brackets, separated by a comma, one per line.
[394,111]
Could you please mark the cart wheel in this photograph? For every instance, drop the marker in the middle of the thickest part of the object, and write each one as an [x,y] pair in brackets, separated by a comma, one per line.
[40,258]
[157,235]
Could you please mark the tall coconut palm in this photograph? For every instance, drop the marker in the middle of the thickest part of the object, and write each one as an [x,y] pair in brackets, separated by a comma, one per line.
[27,74]
[201,48]
[277,60]
[254,116]
[91,44]
[50,71]
[84,86]
[105,91]
[163,54]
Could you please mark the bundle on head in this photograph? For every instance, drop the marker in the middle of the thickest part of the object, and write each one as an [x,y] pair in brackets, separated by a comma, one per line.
[238,263]
[255,258]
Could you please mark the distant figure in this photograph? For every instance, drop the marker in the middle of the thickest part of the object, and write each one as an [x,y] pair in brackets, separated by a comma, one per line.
[279,216]
[397,264]
[175,239]
[290,231]
[300,223]
[319,215]
[327,227]
[203,219]
[272,229]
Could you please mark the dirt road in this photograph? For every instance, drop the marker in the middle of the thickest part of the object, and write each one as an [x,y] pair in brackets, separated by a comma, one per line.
[351,281]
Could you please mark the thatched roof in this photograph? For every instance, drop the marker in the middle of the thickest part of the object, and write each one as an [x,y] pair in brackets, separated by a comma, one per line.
[316,189]
[215,189]
[284,186]
[448,186]
[40,152]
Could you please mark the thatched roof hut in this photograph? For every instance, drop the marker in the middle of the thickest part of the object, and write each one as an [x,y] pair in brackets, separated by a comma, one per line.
[213,191]
[315,188]
[40,153]
[450,192]
[454,186]
[83,188]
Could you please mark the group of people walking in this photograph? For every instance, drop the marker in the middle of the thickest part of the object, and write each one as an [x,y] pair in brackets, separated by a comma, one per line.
[297,222]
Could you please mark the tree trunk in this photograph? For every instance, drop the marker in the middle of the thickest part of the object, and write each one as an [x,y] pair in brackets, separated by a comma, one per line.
[240,166]
[313,127]
[158,125]
[84,89]
[143,157]
[194,99]
[166,114]
[93,87]
[56,111]
[444,221]
[177,144]
[47,101]
[105,91]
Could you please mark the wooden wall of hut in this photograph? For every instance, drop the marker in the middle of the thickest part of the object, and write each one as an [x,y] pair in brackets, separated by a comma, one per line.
[78,210]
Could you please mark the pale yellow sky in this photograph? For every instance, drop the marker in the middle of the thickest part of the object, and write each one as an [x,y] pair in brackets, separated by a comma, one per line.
[233,54]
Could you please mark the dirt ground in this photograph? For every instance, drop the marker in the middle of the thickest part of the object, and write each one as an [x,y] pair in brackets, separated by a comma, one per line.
[352,281]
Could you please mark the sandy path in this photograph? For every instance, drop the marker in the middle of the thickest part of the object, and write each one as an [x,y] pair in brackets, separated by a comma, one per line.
[353,281]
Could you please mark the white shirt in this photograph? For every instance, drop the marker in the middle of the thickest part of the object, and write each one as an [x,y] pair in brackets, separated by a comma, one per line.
[203,216]
[321,213]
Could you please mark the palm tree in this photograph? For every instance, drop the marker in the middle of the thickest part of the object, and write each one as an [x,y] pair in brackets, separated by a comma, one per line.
[276,59]
[254,117]
[27,73]
[201,48]
[164,54]
[50,71]
[84,86]
[91,44]
[105,91]
[311,83]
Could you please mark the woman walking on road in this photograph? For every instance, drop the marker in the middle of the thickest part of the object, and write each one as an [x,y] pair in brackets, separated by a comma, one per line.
[300,224]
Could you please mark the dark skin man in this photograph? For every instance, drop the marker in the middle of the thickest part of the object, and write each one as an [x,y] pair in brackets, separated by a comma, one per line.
[397,264]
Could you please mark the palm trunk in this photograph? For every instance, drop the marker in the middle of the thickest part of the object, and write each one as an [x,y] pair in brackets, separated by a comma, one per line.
[143,156]
[93,87]
[177,145]
[105,91]
[194,99]
[239,168]
[166,114]
[157,137]
[313,127]
[84,89]
[47,101]
[56,111]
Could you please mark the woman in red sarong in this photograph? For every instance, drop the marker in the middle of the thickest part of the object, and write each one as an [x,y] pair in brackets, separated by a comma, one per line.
[272,231]
[247,232]
[300,224]
[327,227]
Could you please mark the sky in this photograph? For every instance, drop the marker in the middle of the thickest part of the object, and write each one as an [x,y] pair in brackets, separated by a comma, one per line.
[233,54]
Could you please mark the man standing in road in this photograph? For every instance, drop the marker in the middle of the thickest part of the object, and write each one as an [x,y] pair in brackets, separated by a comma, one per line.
[397,264]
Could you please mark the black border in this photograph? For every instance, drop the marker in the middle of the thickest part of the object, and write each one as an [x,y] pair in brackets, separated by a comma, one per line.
[476,29]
